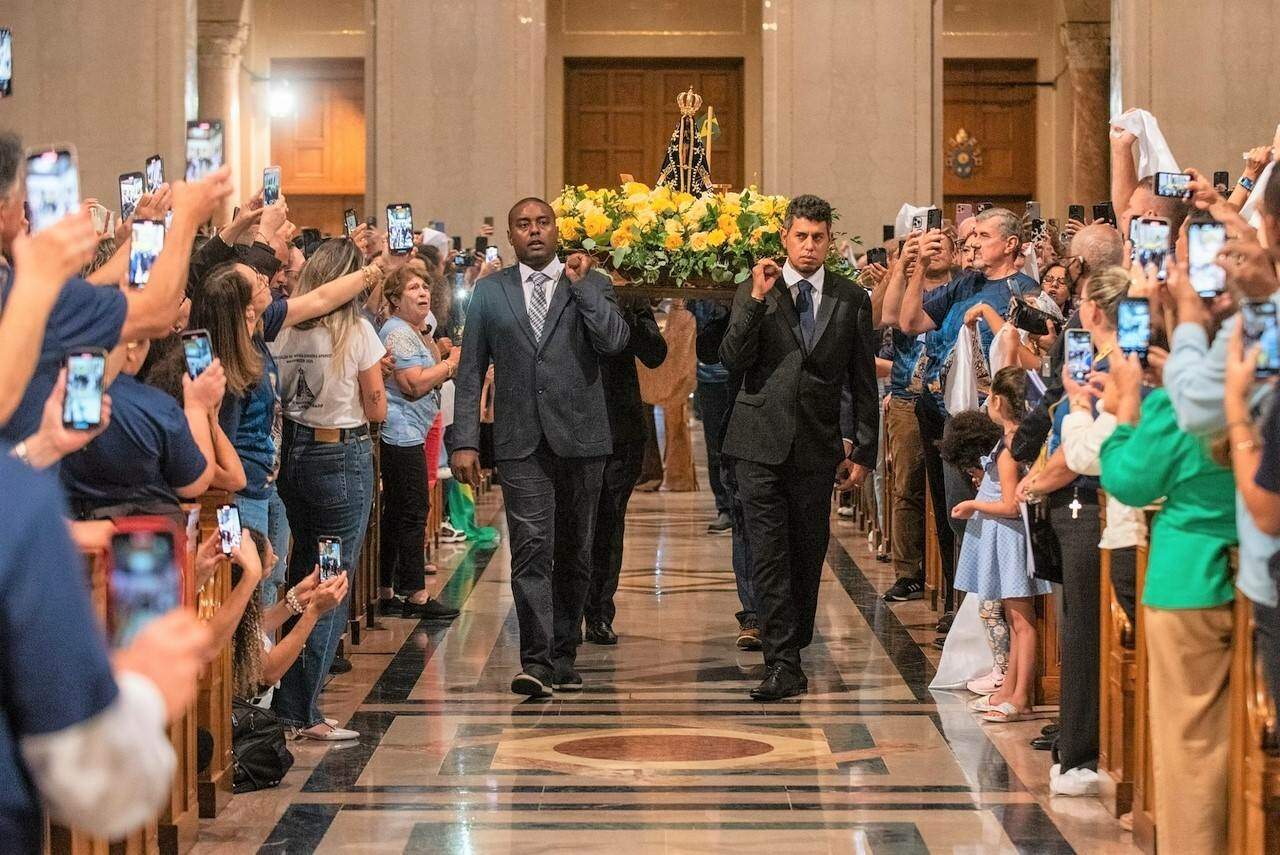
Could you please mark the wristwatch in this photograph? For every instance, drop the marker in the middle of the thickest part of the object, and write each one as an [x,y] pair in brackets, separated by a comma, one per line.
[20,451]
[1246,183]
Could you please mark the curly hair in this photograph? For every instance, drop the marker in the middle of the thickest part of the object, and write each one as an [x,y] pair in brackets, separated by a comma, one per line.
[967,437]
[246,645]
[808,207]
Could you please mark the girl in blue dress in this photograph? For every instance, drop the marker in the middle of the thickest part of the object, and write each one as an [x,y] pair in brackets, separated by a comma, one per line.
[993,557]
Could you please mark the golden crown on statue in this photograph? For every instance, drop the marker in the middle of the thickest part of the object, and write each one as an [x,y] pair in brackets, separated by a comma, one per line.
[689,102]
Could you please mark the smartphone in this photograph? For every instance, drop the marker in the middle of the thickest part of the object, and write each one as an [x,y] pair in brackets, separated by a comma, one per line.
[933,219]
[6,62]
[1033,211]
[148,240]
[1204,240]
[1150,239]
[145,582]
[878,255]
[53,185]
[488,221]
[918,222]
[130,192]
[1075,212]
[438,225]
[1079,352]
[1104,213]
[198,349]
[1175,185]
[1134,329]
[400,227]
[1037,228]
[886,231]
[1222,181]
[154,172]
[330,557]
[491,254]
[229,531]
[270,185]
[349,221]
[86,371]
[983,206]
[204,148]
[482,244]
[1260,328]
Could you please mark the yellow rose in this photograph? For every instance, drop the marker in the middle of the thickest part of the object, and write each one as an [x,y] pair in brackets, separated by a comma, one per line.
[762,206]
[637,200]
[673,242]
[771,226]
[631,188]
[732,198]
[622,236]
[756,234]
[727,224]
[569,227]
[683,200]
[558,206]
[646,217]
[584,207]
[596,224]
[663,205]
[672,226]
[716,238]
[698,241]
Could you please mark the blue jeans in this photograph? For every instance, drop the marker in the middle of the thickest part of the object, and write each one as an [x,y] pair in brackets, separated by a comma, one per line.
[268,516]
[741,547]
[327,488]
[714,402]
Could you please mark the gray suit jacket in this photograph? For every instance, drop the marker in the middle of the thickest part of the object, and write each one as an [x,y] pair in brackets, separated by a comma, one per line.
[550,388]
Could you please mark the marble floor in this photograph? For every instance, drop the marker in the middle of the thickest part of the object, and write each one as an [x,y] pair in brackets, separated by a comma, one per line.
[663,751]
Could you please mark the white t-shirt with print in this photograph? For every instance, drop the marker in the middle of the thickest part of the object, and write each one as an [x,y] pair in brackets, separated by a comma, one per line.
[314,390]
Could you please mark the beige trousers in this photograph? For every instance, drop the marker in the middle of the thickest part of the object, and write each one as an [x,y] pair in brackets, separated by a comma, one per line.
[1188,678]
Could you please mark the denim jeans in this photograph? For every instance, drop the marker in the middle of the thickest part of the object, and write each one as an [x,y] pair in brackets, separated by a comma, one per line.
[741,547]
[268,517]
[327,489]
[713,400]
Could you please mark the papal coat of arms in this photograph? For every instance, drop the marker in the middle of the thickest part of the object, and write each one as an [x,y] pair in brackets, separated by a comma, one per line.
[964,155]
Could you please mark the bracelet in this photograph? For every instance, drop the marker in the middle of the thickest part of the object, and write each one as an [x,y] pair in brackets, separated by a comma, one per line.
[291,600]
[373,274]
[20,451]
[1246,445]
[1246,183]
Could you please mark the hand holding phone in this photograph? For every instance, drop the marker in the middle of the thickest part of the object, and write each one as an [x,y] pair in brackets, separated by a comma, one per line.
[229,530]
[53,185]
[198,349]
[330,557]
[349,221]
[145,582]
[1174,185]
[1133,331]
[86,372]
[154,173]
[1259,328]
[270,185]
[1079,353]
[400,227]
[144,248]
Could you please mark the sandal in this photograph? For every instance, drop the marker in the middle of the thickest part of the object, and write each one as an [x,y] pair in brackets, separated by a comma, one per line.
[988,684]
[981,704]
[1003,713]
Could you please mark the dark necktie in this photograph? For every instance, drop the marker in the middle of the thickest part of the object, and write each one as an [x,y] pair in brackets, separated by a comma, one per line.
[804,307]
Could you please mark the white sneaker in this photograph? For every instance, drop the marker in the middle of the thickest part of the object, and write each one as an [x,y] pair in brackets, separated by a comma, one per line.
[332,722]
[449,534]
[844,512]
[1076,782]
[328,733]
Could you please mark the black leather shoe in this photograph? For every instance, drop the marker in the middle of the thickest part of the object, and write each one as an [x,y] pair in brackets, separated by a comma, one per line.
[534,682]
[430,610]
[566,679]
[340,665]
[1044,743]
[599,632]
[1051,729]
[390,606]
[780,682]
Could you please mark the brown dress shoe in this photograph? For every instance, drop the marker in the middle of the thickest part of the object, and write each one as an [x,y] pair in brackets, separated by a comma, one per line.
[749,638]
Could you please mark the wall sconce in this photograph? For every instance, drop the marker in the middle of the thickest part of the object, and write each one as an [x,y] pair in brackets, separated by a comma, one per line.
[282,101]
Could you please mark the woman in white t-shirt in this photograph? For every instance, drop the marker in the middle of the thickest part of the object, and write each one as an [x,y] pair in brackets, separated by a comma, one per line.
[330,389]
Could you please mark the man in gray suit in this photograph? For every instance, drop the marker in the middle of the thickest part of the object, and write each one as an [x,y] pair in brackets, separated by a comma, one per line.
[546,326]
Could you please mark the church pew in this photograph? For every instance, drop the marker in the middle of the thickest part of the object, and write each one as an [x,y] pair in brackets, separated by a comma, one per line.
[1254,790]
[885,540]
[213,697]
[1116,714]
[435,516]
[1143,801]
[933,576]
[1048,687]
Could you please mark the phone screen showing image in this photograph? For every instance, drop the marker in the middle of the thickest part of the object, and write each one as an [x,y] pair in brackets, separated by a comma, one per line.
[148,241]
[1175,185]
[349,221]
[1261,329]
[330,557]
[1134,331]
[53,186]
[1079,354]
[204,148]
[1151,244]
[1204,240]
[491,255]
[154,172]
[6,62]
[270,185]
[82,406]
[130,193]
[198,351]
[400,227]
[145,582]
[229,531]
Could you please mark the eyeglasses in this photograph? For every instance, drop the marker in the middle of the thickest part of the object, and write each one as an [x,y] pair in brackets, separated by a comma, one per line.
[1054,280]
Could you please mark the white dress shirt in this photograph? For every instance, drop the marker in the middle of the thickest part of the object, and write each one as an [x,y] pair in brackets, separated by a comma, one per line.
[791,276]
[552,270]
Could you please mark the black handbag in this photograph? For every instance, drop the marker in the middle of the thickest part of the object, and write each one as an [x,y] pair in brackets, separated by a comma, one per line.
[261,758]
[1046,549]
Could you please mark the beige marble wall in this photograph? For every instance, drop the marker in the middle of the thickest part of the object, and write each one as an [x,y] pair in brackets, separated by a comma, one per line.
[848,111]
[1206,69]
[106,77]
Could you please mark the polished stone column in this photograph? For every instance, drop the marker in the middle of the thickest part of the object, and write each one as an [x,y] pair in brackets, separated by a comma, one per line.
[1088,47]
[220,49]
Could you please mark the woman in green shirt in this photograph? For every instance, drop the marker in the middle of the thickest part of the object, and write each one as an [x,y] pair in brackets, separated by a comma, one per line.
[1186,602]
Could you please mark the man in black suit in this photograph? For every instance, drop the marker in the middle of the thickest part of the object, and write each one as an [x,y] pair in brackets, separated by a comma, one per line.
[622,468]
[807,415]
[546,326]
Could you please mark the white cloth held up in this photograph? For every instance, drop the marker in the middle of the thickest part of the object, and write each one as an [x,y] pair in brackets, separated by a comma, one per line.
[1153,152]
[902,223]
[1250,209]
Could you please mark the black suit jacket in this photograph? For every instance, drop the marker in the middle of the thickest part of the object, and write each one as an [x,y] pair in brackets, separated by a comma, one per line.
[552,388]
[627,419]
[797,405]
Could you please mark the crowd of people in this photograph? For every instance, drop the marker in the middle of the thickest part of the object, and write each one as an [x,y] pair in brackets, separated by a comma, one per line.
[991,358]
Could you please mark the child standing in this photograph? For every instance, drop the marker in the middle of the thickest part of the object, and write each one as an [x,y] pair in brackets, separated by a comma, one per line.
[993,558]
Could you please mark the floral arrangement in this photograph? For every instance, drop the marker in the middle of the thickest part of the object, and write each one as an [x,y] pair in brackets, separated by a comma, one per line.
[663,235]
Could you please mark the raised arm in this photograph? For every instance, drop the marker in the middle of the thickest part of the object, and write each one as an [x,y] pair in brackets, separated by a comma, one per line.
[1124,174]
[344,289]
[598,305]
[741,342]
